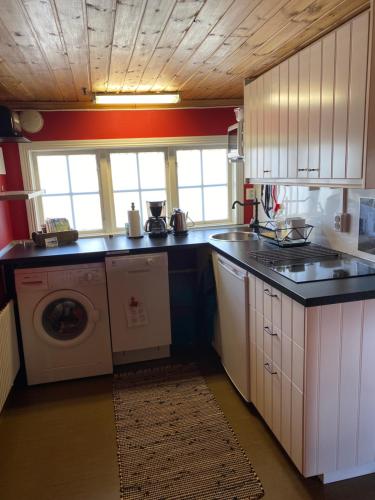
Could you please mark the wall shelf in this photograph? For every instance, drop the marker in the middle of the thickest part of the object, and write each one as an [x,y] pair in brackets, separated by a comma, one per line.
[19,195]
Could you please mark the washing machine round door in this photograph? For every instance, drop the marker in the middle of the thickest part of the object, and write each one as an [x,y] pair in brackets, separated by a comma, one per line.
[65,318]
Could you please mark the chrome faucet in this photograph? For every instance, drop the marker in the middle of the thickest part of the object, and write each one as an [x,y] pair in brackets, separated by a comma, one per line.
[254,225]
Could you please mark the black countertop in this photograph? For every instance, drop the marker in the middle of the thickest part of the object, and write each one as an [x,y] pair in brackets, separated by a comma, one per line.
[307,294]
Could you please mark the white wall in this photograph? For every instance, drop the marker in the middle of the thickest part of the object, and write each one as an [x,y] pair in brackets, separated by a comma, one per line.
[318,206]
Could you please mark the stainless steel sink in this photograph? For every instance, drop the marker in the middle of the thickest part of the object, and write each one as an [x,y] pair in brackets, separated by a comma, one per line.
[234,236]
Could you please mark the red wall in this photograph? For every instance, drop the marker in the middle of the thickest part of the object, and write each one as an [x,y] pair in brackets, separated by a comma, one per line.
[80,125]
[6,232]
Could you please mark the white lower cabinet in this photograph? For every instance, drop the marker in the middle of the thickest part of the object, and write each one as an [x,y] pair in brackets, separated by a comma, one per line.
[313,380]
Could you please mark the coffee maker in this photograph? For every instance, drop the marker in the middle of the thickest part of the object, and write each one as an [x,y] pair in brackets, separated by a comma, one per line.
[156,225]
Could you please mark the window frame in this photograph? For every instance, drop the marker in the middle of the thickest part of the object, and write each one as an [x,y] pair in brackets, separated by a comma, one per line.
[214,222]
[102,149]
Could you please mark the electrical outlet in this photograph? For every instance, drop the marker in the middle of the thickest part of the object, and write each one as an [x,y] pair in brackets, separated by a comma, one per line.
[342,222]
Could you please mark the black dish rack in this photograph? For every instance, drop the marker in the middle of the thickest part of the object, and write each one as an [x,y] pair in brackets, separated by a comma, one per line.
[284,236]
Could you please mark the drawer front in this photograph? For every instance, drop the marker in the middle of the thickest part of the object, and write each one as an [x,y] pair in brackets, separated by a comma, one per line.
[298,324]
[252,325]
[267,301]
[276,402]
[286,355]
[298,356]
[259,331]
[268,375]
[276,308]
[252,291]
[260,381]
[267,338]
[259,295]
[276,347]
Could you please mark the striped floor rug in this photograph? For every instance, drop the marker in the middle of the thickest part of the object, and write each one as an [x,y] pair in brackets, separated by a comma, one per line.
[174,442]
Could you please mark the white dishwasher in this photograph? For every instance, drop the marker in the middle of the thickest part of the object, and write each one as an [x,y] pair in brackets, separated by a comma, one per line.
[232,295]
[138,294]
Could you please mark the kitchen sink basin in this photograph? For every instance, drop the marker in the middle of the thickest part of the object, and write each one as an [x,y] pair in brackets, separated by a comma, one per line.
[234,236]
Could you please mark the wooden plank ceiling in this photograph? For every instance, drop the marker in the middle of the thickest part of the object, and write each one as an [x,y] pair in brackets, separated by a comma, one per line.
[61,51]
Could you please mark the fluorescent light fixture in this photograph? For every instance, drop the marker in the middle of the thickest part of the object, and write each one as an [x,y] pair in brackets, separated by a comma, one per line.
[148,98]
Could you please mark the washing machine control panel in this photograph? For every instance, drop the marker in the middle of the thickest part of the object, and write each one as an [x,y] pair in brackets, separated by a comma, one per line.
[81,277]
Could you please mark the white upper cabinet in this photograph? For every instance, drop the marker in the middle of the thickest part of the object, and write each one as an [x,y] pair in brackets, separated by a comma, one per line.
[307,116]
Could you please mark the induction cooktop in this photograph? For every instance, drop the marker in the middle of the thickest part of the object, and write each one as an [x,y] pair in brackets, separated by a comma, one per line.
[312,263]
[328,269]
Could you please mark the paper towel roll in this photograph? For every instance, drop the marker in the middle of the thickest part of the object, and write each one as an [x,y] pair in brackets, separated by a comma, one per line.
[135,230]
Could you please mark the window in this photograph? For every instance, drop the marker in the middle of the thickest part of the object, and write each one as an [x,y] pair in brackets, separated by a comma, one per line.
[94,187]
[136,178]
[71,185]
[202,179]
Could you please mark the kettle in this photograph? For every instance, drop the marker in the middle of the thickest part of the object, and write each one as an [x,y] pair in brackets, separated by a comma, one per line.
[178,221]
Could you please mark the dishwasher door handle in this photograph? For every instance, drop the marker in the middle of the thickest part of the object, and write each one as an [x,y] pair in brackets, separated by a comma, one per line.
[232,270]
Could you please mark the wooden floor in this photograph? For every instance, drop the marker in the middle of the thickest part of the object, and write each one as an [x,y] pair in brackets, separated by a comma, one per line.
[57,442]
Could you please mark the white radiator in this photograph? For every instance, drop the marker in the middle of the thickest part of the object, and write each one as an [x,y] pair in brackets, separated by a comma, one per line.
[9,359]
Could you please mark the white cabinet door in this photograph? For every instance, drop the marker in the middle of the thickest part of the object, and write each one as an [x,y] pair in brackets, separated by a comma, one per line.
[357,96]
[326,122]
[311,111]
[275,117]
[260,123]
[247,129]
[342,68]
[303,112]
[293,117]
[283,135]
[314,111]
[267,102]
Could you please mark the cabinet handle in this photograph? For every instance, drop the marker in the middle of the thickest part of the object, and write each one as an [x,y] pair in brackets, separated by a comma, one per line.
[303,170]
[268,292]
[313,169]
[268,367]
[266,171]
[268,330]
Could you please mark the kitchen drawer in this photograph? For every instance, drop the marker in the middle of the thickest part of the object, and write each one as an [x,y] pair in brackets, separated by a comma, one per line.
[252,325]
[267,338]
[286,315]
[252,291]
[286,412]
[276,347]
[268,375]
[298,356]
[272,342]
[253,373]
[259,292]
[259,326]
[298,324]
[267,301]
[260,381]
[272,305]
[296,451]
[276,401]
[286,355]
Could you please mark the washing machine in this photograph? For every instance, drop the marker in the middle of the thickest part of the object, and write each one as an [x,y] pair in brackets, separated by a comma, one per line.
[64,322]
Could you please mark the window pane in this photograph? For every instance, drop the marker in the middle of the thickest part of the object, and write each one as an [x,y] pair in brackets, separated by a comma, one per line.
[124,171]
[123,203]
[152,170]
[215,203]
[53,174]
[190,200]
[83,173]
[215,166]
[151,196]
[87,212]
[189,167]
[57,206]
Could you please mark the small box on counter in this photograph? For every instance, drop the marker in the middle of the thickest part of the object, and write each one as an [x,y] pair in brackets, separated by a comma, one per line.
[58,238]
